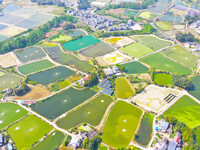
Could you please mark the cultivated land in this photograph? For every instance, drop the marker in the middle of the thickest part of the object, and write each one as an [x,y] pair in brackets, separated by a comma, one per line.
[123,88]
[80,43]
[10,113]
[135,67]
[152,42]
[147,15]
[186,110]
[96,50]
[76,33]
[163,79]
[121,125]
[165,26]
[35,66]
[2,73]
[136,50]
[153,97]
[91,113]
[11,31]
[121,41]
[181,55]
[9,80]
[113,40]
[194,91]
[53,141]
[52,75]
[8,60]
[29,54]
[61,38]
[145,131]
[63,84]
[162,63]
[64,102]
[28,131]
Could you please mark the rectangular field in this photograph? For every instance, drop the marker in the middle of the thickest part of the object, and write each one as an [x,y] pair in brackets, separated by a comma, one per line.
[8,60]
[11,31]
[91,113]
[28,131]
[9,113]
[186,110]
[121,124]
[165,26]
[147,15]
[52,75]
[42,17]
[162,63]
[28,23]
[64,102]
[135,67]
[136,50]
[9,81]
[182,55]
[10,19]
[194,91]
[3,38]
[35,66]
[158,7]
[123,88]
[171,17]
[81,43]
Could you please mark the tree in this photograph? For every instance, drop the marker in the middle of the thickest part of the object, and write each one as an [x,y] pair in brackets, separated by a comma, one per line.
[83,4]
[22,89]
[94,143]
[187,37]
[170,119]
[181,82]
[68,26]
[93,80]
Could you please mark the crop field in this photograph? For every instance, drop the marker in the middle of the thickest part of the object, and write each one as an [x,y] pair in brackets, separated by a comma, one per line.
[3,38]
[52,75]
[164,1]
[194,91]
[197,136]
[180,3]
[152,42]
[165,26]
[123,88]
[9,81]
[69,59]
[2,73]
[24,12]
[121,41]
[135,67]
[178,12]
[76,33]
[11,7]
[113,40]
[171,17]
[162,63]
[64,102]
[186,110]
[53,141]
[35,66]
[136,50]
[181,55]
[63,84]
[81,43]
[131,13]
[121,125]
[28,131]
[96,50]
[153,97]
[30,53]
[28,23]
[147,15]
[112,58]
[10,19]
[91,113]
[61,38]
[146,129]
[10,113]
[163,79]
[42,17]
[8,60]
[11,31]
[158,7]
[2,26]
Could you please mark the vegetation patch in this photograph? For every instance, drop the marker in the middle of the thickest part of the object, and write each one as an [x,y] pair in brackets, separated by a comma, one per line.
[194,91]
[76,33]
[28,131]
[123,88]
[165,26]
[197,136]
[9,81]
[147,15]
[91,113]
[186,110]
[8,60]
[163,79]
[61,38]
[121,124]
[63,84]
[135,67]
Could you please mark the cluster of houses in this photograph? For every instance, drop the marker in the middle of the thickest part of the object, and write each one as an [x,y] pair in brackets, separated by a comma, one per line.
[3,143]
[196,26]
[111,71]
[193,46]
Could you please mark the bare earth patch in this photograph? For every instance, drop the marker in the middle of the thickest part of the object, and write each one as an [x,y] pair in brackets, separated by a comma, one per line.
[8,60]
[12,31]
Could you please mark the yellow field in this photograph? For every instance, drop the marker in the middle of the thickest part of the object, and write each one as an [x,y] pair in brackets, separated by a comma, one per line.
[12,31]
[8,60]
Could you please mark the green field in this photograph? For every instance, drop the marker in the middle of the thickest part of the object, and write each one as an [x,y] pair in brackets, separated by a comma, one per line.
[9,81]
[96,50]
[136,50]
[135,67]
[146,129]
[162,63]
[91,113]
[2,73]
[131,13]
[186,110]
[53,141]
[81,43]
[61,38]
[35,66]
[181,55]
[163,79]
[63,84]
[197,136]
[147,15]
[69,59]
[194,91]
[123,88]
[121,124]
[52,75]
[10,113]
[152,42]
[63,101]
[28,131]
[165,26]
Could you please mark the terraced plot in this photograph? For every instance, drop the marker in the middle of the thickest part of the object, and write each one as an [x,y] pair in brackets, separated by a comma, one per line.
[186,110]
[10,113]
[64,102]
[28,131]
[194,91]
[162,63]
[9,81]
[121,125]
[52,75]
[91,113]
[135,67]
